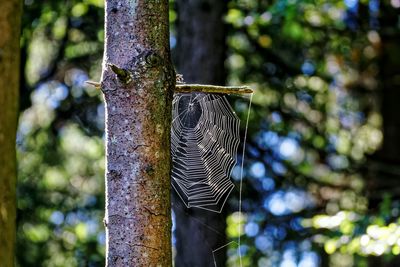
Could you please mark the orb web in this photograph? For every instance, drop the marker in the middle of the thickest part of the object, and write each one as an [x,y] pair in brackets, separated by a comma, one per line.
[204,142]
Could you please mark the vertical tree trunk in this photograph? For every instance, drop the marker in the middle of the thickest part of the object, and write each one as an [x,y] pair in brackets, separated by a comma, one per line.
[201,41]
[138,95]
[389,69]
[10,23]
[383,174]
[383,170]
[200,58]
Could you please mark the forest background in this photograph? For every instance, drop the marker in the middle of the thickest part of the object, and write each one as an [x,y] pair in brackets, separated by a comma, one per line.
[323,151]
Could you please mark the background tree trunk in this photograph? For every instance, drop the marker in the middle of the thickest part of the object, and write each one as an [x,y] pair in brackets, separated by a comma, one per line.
[10,24]
[384,166]
[138,96]
[200,56]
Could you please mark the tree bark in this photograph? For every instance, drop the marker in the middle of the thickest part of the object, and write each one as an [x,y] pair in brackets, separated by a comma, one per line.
[10,24]
[138,90]
[200,56]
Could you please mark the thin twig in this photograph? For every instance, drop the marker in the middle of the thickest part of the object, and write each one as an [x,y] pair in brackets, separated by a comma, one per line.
[212,89]
[97,85]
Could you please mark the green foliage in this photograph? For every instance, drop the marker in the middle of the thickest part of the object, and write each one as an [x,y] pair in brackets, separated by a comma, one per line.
[317,121]
[60,152]
[60,196]
[352,233]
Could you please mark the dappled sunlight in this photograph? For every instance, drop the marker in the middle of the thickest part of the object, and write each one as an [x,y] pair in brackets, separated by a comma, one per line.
[357,236]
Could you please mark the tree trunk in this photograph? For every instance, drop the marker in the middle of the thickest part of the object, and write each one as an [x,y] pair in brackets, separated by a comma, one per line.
[383,167]
[201,46]
[10,24]
[200,56]
[390,86]
[138,92]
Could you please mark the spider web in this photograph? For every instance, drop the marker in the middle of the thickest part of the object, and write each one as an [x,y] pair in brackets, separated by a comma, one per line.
[204,142]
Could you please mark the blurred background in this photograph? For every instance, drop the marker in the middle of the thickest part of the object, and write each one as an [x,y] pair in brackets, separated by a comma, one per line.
[321,183]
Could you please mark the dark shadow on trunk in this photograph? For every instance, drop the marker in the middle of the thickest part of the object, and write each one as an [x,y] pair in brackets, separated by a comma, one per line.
[383,170]
[200,56]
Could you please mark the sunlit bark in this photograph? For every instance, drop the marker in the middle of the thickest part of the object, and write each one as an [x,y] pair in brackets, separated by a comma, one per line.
[137,82]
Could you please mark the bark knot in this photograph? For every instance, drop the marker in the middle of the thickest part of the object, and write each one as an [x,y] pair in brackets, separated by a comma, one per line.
[153,59]
[124,76]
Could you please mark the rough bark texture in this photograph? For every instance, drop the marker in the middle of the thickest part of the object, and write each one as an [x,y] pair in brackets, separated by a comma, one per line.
[138,116]
[200,56]
[10,18]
